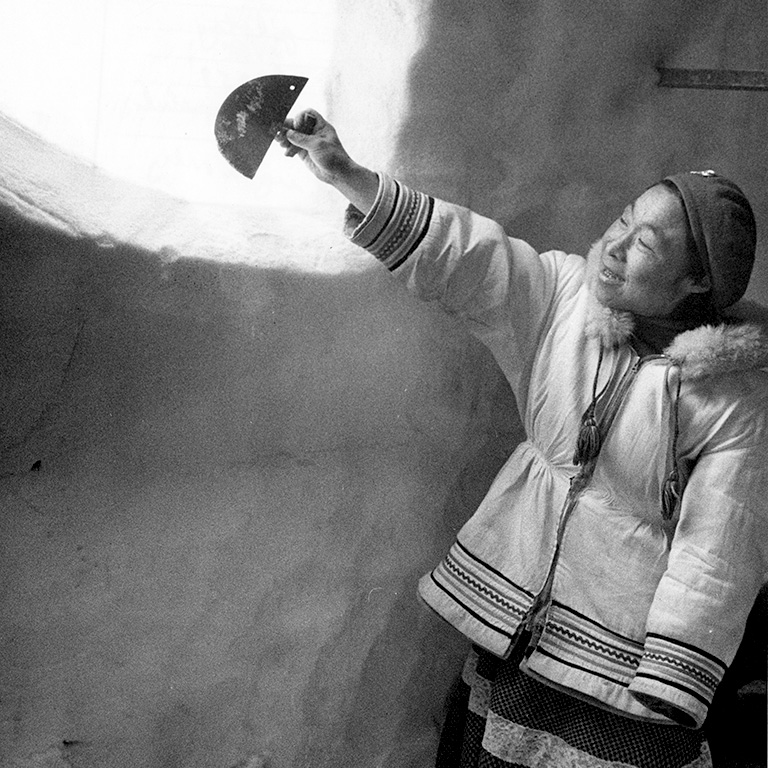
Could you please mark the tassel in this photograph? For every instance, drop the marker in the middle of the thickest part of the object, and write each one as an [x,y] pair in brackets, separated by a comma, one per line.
[670,495]
[672,490]
[588,443]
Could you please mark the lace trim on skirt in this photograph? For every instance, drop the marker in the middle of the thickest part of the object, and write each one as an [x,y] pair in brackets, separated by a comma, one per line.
[524,746]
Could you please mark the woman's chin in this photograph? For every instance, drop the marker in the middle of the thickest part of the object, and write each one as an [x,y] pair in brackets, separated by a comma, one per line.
[607,294]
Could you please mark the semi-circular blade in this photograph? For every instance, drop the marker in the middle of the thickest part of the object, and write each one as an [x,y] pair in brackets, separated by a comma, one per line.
[251,116]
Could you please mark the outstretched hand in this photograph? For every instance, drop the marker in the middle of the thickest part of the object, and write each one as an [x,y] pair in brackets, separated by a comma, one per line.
[310,136]
[315,141]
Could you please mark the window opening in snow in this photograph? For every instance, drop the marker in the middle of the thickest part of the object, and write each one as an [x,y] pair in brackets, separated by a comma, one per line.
[134,86]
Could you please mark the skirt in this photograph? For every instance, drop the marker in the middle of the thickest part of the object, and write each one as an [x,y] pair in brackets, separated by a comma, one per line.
[499,717]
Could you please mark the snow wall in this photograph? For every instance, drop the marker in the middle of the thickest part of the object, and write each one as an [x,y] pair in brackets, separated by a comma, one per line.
[228,452]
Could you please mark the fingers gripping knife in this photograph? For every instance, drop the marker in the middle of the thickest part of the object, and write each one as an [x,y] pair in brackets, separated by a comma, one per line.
[252,115]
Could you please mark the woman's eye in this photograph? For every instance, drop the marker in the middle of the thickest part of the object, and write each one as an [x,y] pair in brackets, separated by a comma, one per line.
[646,247]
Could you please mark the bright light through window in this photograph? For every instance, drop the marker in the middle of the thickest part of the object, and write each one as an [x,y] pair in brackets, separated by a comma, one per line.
[134,86]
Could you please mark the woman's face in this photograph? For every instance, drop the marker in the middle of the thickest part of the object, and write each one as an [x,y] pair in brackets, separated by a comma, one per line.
[641,264]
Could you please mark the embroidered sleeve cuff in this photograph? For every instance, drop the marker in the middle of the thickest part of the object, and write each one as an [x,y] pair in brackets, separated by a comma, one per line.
[677,679]
[395,225]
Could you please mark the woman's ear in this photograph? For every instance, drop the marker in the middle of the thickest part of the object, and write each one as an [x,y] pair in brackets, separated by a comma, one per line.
[697,284]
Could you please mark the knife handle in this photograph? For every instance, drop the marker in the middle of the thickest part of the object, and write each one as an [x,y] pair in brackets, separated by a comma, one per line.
[306,123]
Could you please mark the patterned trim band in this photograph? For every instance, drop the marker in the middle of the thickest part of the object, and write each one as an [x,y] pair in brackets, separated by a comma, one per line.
[574,639]
[491,597]
[682,666]
[397,224]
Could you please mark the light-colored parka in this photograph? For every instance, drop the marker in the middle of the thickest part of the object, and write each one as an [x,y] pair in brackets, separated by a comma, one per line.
[636,610]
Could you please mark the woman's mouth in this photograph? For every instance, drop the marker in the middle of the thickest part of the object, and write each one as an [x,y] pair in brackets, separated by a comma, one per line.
[607,276]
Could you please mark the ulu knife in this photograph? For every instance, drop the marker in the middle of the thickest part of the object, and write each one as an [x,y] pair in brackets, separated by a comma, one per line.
[251,116]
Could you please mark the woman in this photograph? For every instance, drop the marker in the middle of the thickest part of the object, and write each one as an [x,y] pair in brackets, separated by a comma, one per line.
[606,578]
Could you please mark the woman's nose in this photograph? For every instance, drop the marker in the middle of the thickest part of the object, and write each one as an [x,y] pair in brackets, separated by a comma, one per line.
[618,247]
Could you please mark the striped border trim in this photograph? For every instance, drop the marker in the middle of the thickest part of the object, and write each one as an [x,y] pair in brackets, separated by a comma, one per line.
[482,590]
[397,224]
[574,639]
[682,666]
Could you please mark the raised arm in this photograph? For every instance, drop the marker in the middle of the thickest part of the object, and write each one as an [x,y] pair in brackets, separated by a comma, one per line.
[321,151]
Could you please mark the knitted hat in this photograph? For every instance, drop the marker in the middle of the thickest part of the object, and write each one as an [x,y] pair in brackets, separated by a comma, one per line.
[724,231]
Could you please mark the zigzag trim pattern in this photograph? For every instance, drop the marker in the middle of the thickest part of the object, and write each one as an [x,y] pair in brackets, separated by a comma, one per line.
[689,668]
[397,223]
[586,642]
[572,637]
[490,595]
[682,666]
[481,588]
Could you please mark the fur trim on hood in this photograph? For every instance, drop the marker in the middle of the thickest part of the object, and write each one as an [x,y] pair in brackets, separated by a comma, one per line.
[712,350]
[612,327]
[740,343]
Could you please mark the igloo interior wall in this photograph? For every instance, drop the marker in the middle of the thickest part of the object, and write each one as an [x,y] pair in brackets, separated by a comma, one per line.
[229,451]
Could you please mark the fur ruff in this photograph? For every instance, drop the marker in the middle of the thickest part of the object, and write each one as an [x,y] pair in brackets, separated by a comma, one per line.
[712,350]
[740,343]
[612,327]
